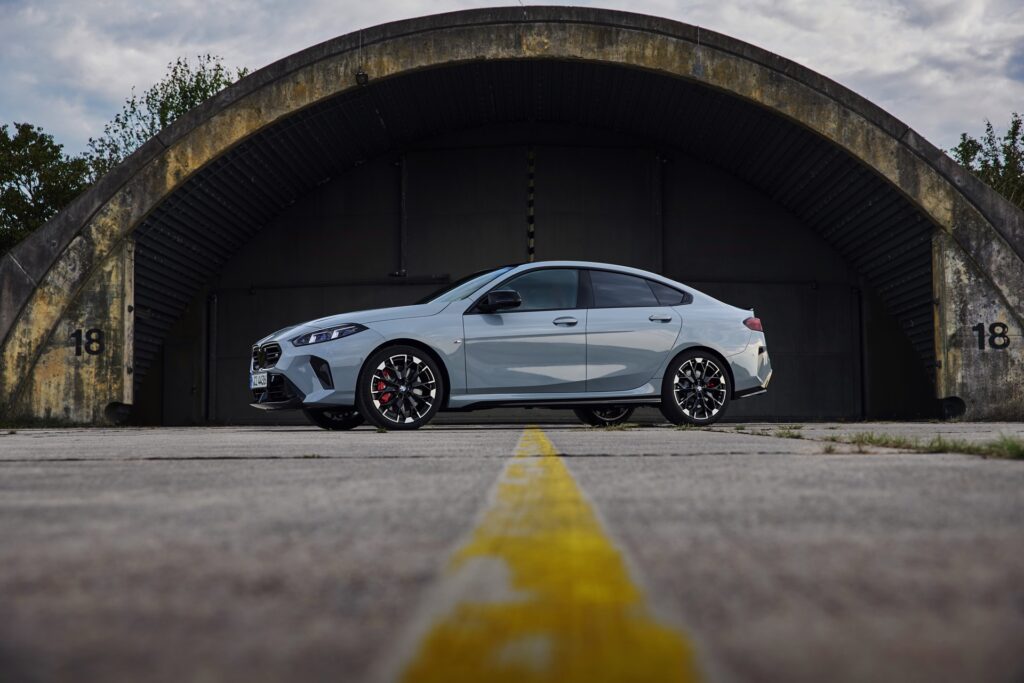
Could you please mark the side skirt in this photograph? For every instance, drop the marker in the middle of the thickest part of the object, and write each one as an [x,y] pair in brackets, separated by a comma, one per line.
[556,403]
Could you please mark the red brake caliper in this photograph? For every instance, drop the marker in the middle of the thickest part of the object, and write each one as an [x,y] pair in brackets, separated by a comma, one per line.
[384,398]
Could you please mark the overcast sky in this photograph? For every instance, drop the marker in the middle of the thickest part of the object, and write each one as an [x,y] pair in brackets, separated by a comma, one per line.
[941,66]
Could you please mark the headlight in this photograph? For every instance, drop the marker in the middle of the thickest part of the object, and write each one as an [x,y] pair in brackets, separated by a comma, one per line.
[329,334]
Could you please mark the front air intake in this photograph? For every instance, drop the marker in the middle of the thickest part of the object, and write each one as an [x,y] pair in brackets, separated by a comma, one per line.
[322,371]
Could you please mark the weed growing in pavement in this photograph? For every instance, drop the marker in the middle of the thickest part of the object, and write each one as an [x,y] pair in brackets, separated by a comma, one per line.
[740,428]
[1010,447]
[620,427]
[311,455]
[382,430]
[829,448]
[1005,447]
[881,440]
[686,426]
[787,433]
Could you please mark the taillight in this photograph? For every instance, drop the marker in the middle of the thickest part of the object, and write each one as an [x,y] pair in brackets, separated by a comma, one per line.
[754,324]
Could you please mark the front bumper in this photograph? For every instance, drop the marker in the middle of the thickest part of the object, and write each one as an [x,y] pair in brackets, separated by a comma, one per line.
[310,376]
[279,394]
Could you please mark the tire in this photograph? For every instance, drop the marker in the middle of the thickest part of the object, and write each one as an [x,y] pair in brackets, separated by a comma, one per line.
[604,416]
[334,419]
[696,389]
[387,397]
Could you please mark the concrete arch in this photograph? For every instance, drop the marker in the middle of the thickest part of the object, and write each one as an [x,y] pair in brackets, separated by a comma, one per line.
[79,267]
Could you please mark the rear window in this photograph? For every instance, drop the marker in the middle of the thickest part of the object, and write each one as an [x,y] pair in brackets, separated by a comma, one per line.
[618,290]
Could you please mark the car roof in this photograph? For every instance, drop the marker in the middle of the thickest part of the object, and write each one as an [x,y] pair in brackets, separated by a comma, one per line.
[522,267]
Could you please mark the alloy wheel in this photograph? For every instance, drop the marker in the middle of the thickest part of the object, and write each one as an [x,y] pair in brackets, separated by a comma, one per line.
[403,388]
[611,414]
[700,388]
[340,415]
[335,419]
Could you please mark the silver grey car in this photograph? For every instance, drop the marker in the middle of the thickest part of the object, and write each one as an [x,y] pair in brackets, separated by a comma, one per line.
[596,338]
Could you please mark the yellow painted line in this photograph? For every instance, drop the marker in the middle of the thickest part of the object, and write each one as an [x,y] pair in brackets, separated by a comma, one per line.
[542,594]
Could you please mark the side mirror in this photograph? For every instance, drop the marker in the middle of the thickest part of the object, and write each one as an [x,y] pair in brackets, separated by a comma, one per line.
[500,299]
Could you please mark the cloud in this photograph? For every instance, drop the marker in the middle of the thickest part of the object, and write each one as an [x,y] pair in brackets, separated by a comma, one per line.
[941,66]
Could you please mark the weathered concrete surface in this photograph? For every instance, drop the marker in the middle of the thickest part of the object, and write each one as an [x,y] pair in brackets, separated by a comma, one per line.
[988,376]
[86,364]
[990,253]
[264,554]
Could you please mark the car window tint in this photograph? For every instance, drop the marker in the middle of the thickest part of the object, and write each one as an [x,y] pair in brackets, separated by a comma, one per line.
[545,289]
[667,296]
[617,290]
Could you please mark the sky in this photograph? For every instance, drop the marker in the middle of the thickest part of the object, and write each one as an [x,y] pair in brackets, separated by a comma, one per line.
[941,66]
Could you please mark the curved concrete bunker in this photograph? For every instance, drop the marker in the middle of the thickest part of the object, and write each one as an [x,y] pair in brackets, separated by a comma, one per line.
[368,169]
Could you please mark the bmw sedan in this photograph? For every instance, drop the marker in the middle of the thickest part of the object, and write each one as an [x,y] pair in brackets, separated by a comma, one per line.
[592,337]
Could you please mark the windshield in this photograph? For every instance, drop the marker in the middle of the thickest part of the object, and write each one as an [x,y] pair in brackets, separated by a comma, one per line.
[462,288]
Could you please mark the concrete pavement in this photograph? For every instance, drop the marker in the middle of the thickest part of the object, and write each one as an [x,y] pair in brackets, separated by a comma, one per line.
[285,553]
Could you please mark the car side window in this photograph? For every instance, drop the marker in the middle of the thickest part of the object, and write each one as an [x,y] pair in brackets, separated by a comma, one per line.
[551,289]
[618,290]
[669,296]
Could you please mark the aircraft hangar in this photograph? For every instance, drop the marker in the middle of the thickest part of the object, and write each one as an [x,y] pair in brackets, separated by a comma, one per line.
[371,169]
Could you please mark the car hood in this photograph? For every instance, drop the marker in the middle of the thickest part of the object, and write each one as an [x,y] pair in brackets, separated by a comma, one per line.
[373,315]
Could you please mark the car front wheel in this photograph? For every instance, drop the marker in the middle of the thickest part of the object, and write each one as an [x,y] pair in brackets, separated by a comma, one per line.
[604,416]
[696,389]
[400,387]
[334,419]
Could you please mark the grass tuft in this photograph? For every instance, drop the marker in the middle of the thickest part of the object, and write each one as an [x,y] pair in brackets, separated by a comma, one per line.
[740,428]
[829,448]
[620,427]
[382,430]
[787,433]
[881,440]
[1005,447]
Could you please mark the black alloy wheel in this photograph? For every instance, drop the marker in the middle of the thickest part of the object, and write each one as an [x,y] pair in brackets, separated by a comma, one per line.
[400,387]
[604,416]
[696,389]
[334,419]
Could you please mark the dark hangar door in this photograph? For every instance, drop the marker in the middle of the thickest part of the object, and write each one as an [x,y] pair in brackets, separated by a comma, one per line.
[446,211]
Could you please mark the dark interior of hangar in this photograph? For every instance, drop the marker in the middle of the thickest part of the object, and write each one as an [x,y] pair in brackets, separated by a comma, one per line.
[378,196]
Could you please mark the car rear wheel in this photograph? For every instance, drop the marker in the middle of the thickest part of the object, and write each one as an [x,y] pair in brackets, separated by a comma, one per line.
[604,416]
[334,419]
[696,389]
[400,387]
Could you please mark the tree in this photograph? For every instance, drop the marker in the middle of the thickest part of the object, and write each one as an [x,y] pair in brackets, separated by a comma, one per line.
[36,181]
[997,161]
[185,86]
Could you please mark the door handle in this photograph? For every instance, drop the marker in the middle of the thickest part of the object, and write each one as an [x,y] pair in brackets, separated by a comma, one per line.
[660,318]
[565,321]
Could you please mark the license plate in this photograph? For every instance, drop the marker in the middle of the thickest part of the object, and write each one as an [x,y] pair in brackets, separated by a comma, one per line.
[258,380]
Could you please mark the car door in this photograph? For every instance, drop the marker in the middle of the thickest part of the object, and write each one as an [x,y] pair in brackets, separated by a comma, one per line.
[538,347]
[629,331]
